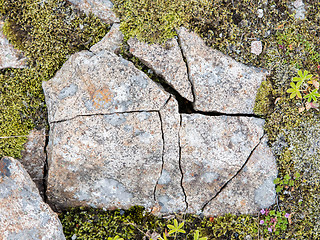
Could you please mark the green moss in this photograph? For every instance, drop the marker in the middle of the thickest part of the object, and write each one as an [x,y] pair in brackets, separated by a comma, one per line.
[48,32]
[264,98]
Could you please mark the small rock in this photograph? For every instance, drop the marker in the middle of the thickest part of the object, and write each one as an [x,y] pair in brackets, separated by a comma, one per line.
[256,47]
[9,57]
[101,8]
[260,13]
[111,42]
[165,61]
[23,214]
[34,158]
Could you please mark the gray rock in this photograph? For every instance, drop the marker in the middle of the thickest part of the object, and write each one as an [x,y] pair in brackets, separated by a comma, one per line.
[213,150]
[252,189]
[34,158]
[105,161]
[166,61]
[169,193]
[101,83]
[111,42]
[100,8]
[256,47]
[220,83]
[23,214]
[299,7]
[9,57]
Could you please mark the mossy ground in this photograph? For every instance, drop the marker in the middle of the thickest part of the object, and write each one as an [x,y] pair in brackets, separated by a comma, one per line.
[49,31]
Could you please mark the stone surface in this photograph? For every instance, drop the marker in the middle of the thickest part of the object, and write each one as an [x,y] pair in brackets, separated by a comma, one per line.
[111,42]
[105,161]
[9,57]
[213,150]
[167,62]
[101,83]
[23,214]
[100,8]
[299,7]
[220,83]
[252,189]
[169,193]
[34,158]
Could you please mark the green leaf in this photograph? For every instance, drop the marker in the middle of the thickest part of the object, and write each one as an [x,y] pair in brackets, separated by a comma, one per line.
[296,175]
[276,181]
[287,177]
[294,90]
[291,183]
[175,228]
[279,189]
[312,96]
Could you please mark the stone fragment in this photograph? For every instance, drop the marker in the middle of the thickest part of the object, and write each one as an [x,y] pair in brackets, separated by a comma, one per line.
[220,83]
[169,192]
[252,189]
[34,158]
[111,42]
[9,57]
[101,83]
[260,13]
[256,47]
[213,150]
[23,214]
[101,8]
[166,61]
[299,7]
[105,161]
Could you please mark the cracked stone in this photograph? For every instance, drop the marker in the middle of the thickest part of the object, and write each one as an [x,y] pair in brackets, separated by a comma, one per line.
[101,8]
[34,158]
[23,214]
[220,83]
[169,193]
[166,61]
[213,150]
[9,57]
[106,161]
[100,83]
[111,42]
[252,189]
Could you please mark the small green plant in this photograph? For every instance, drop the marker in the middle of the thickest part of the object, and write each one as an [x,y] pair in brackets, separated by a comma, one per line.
[115,238]
[287,182]
[274,221]
[308,86]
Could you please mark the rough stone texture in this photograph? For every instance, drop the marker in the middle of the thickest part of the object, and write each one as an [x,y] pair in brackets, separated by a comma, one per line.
[252,189]
[167,62]
[106,161]
[220,83]
[101,83]
[299,7]
[9,57]
[23,214]
[256,47]
[100,8]
[213,150]
[111,42]
[169,193]
[34,158]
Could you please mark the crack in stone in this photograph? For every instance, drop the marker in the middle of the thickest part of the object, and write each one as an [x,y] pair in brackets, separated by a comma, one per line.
[187,66]
[45,169]
[102,114]
[162,157]
[180,167]
[236,174]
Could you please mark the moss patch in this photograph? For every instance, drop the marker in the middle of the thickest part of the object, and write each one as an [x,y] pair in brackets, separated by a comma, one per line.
[48,32]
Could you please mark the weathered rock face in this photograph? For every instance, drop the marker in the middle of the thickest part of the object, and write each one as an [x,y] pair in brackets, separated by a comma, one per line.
[111,42]
[166,62]
[100,8]
[220,83]
[105,161]
[169,192]
[213,149]
[252,189]
[9,57]
[34,158]
[118,140]
[101,83]
[23,214]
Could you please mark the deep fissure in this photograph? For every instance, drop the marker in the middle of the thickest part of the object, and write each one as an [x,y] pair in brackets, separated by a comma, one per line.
[45,168]
[235,175]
